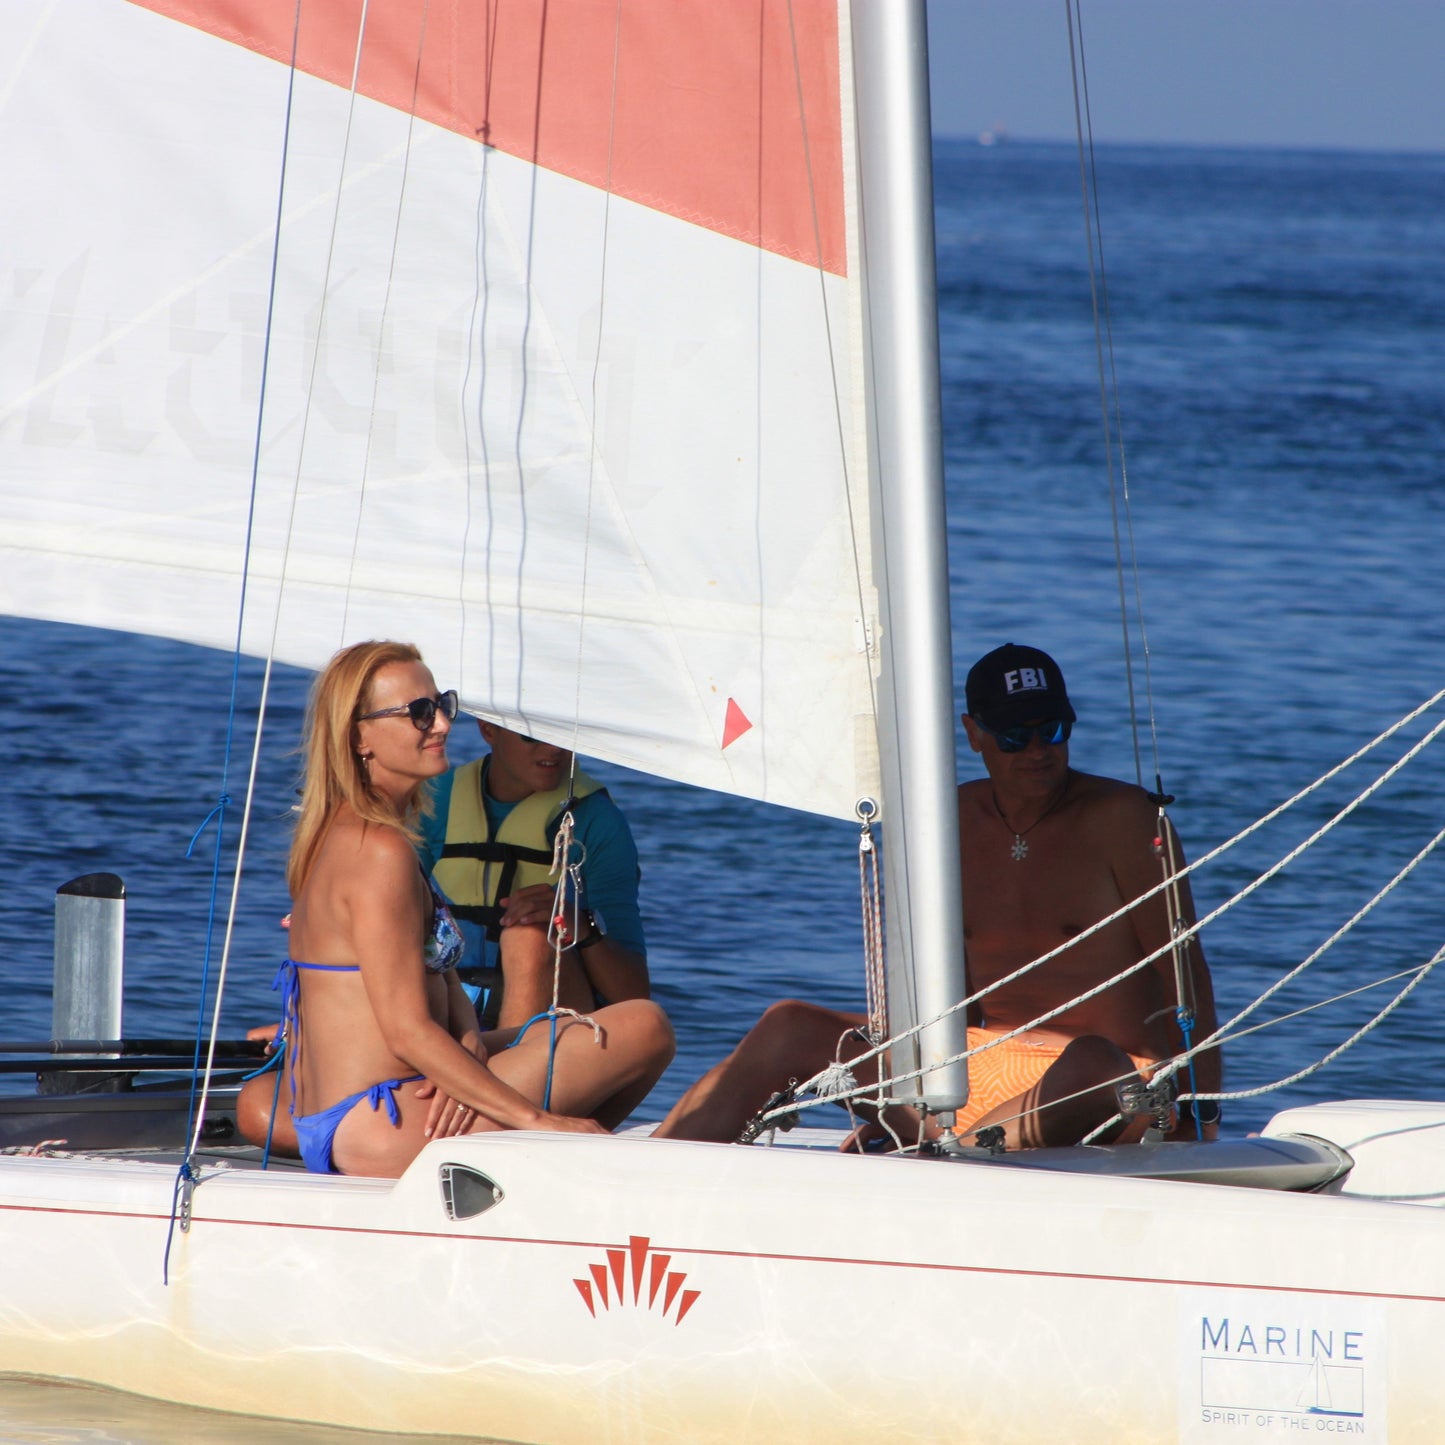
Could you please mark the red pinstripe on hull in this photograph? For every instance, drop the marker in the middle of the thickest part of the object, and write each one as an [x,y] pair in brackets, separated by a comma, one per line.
[706,124]
[1248,1286]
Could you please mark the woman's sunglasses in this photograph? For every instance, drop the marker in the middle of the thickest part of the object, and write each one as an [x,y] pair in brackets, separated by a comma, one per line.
[421,710]
[1015,740]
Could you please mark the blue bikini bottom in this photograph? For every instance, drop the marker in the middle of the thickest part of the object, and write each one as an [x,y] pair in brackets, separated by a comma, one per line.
[315,1132]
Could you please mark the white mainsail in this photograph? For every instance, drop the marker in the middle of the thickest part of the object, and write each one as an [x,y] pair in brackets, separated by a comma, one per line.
[475,432]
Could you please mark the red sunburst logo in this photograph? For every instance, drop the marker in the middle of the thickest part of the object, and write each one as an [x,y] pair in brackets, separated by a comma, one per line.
[631,1273]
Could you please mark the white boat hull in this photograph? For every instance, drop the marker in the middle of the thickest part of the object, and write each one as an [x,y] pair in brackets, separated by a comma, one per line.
[765,1295]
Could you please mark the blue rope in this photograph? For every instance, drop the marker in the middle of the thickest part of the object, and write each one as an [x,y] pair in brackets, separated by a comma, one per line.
[1185,1020]
[550,1015]
[185,1178]
[274,1062]
[270,1063]
[186,1175]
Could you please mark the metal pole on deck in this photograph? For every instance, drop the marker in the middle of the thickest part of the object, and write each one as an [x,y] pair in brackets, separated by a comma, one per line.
[916,725]
[89,957]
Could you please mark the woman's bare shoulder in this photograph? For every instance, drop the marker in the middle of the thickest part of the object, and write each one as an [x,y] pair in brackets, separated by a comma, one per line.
[368,853]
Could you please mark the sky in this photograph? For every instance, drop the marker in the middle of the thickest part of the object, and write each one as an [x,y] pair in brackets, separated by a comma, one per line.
[1355,74]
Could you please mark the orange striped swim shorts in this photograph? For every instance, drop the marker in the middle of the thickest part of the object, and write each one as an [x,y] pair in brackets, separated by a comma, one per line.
[1010,1069]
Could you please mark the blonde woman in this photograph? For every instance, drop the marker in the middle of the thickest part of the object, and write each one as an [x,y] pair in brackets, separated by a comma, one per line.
[384,1047]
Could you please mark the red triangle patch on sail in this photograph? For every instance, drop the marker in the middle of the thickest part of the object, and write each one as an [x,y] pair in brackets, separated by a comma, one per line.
[735,724]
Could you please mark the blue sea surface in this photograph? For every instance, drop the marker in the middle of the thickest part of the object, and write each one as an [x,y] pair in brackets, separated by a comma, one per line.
[1277,328]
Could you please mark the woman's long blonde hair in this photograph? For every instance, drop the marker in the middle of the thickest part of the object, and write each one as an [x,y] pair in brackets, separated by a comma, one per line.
[334,772]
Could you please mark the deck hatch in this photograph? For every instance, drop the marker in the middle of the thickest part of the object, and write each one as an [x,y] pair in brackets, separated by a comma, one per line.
[467,1192]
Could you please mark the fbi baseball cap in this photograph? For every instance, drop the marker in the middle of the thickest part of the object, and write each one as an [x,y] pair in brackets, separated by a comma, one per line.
[1013,685]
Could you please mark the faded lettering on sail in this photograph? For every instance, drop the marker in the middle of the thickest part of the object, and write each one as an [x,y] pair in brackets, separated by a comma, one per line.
[590,446]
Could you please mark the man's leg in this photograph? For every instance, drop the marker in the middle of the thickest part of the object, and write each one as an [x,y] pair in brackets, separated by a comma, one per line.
[1074,1095]
[792,1040]
[528,962]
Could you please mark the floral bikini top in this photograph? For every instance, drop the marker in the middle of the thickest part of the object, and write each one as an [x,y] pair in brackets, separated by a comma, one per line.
[444,944]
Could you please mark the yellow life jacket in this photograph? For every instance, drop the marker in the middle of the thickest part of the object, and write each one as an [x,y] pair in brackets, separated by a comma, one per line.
[477,868]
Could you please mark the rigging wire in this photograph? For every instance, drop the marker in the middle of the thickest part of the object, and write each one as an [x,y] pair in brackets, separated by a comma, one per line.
[1111,416]
[195,1123]
[1122,912]
[870,887]
[270,658]
[569,854]
[1110,406]
[1389,772]
[1228,1028]
[586,548]
[477,327]
[856,534]
[187,1178]
[385,312]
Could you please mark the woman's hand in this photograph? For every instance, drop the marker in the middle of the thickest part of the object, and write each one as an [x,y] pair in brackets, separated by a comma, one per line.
[448,1116]
[565,1124]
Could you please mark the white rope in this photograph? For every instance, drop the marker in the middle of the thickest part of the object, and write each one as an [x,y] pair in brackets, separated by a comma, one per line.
[1417,975]
[1224,1035]
[1219,1035]
[1298,1013]
[1196,928]
[562,932]
[1419,971]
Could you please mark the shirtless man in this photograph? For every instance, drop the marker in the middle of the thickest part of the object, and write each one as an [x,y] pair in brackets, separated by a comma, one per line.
[1046,852]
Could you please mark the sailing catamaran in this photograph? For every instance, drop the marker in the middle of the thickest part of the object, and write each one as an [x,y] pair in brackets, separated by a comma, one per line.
[591,346]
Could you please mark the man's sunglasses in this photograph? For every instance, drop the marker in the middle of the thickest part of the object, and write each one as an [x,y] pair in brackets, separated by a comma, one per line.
[421,710]
[1015,740]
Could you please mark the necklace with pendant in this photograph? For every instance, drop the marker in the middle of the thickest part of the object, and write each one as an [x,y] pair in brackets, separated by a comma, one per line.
[1020,849]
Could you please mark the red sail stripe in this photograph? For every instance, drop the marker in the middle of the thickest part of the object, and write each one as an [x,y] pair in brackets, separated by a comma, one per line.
[706,125]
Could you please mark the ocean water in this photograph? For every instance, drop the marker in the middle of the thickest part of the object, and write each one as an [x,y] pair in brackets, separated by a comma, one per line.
[1278,335]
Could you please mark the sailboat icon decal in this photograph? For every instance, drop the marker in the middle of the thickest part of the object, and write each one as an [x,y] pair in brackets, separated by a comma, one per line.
[632,1273]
